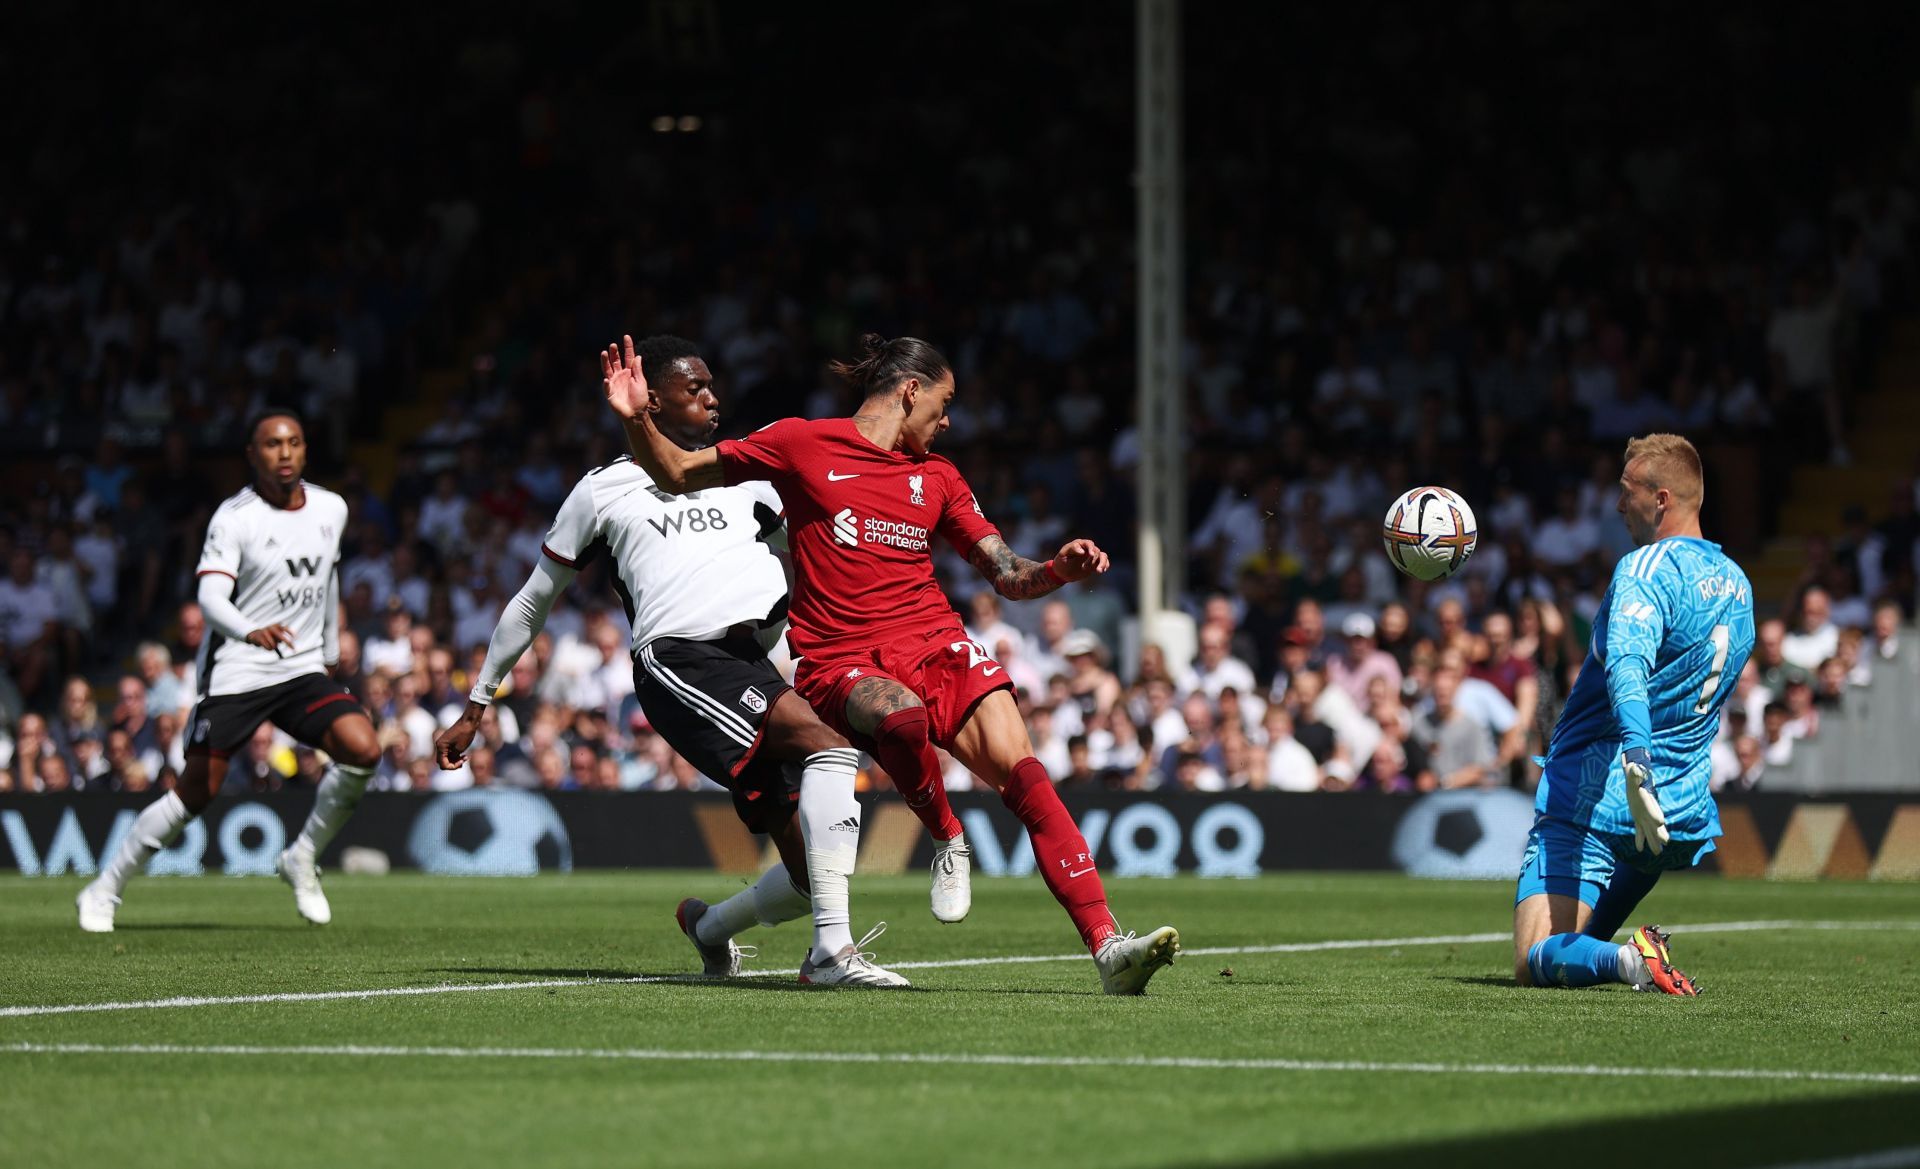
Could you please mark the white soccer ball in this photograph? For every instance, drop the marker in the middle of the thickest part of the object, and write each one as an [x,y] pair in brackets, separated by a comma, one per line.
[1429,533]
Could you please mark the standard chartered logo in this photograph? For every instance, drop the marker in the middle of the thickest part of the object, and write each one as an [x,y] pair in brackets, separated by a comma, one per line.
[848,529]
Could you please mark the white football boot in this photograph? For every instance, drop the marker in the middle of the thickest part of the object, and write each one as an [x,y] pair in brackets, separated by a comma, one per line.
[1126,962]
[716,961]
[96,907]
[850,967]
[297,869]
[952,880]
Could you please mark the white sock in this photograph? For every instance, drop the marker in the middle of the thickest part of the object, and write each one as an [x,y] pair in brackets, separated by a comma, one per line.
[830,821]
[333,804]
[154,829]
[768,901]
[1632,967]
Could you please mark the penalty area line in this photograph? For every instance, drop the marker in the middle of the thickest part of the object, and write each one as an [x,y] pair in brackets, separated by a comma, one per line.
[182,1001]
[963,1059]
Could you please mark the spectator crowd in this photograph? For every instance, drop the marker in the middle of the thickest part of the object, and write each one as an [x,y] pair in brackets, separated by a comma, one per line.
[1430,282]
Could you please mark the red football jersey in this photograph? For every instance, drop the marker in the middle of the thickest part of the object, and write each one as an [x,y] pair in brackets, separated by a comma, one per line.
[860,522]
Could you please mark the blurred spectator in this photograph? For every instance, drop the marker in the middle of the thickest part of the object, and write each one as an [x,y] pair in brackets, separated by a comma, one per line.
[1800,341]
[1056,622]
[78,716]
[1355,670]
[1194,772]
[1803,717]
[1815,637]
[1567,537]
[1079,772]
[392,650]
[1093,688]
[1290,766]
[164,692]
[1776,742]
[132,715]
[1769,652]
[1199,737]
[1461,747]
[29,613]
[1049,745]
[1215,669]
[986,624]
[1115,749]
[29,750]
[412,718]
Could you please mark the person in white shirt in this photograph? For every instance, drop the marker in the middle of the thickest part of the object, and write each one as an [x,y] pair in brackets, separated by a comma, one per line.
[1215,669]
[1290,766]
[29,613]
[1347,393]
[269,591]
[1800,341]
[704,581]
[1815,637]
[1567,537]
[392,651]
[443,514]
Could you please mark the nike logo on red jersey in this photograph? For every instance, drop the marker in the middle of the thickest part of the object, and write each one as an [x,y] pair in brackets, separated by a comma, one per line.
[833,478]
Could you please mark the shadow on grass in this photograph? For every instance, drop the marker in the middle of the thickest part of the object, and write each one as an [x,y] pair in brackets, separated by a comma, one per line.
[1775,1133]
[774,982]
[1503,981]
[162,927]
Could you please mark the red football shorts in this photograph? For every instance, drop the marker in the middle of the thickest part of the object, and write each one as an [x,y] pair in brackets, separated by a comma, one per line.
[949,671]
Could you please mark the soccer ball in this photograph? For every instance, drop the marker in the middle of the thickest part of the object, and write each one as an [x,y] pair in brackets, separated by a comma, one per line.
[1429,533]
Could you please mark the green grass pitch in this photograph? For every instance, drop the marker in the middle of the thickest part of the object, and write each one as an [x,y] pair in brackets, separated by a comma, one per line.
[1403,1053]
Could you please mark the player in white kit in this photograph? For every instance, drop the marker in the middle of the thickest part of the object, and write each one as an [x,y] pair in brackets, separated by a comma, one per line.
[269,586]
[705,589]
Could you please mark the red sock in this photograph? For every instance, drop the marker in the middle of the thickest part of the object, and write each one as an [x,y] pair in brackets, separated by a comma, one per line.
[1064,859]
[901,745]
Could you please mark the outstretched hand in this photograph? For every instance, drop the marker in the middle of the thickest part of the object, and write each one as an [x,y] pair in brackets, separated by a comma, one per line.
[625,382]
[1079,559]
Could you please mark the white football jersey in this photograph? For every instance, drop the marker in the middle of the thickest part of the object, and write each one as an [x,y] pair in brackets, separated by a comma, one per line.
[282,563]
[688,566]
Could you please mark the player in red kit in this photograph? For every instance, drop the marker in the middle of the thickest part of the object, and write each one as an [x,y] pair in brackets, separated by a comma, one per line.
[883,657]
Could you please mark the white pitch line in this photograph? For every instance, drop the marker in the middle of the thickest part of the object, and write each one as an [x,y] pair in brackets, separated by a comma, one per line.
[941,964]
[1188,1063]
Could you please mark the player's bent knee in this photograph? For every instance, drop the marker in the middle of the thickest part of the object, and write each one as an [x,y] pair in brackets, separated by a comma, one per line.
[908,727]
[351,742]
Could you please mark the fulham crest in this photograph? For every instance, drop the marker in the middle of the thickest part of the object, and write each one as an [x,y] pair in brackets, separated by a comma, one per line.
[753,700]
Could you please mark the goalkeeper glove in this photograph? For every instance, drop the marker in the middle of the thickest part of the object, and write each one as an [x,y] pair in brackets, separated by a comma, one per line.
[1649,823]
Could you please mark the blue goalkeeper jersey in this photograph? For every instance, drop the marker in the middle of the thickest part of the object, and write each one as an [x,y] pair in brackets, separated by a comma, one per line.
[1673,631]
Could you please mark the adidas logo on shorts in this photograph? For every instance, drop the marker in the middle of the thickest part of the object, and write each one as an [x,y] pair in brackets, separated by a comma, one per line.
[850,824]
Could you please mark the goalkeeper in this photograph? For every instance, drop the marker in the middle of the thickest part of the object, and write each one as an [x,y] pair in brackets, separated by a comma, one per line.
[1624,796]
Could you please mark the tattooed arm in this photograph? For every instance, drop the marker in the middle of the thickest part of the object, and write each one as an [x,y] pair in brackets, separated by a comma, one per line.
[1018,579]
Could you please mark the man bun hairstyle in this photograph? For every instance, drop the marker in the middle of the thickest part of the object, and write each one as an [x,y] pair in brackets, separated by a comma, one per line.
[883,364]
[1668,461]
[662,350]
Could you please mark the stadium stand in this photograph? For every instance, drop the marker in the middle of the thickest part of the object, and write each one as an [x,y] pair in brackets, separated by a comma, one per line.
[1429,284]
